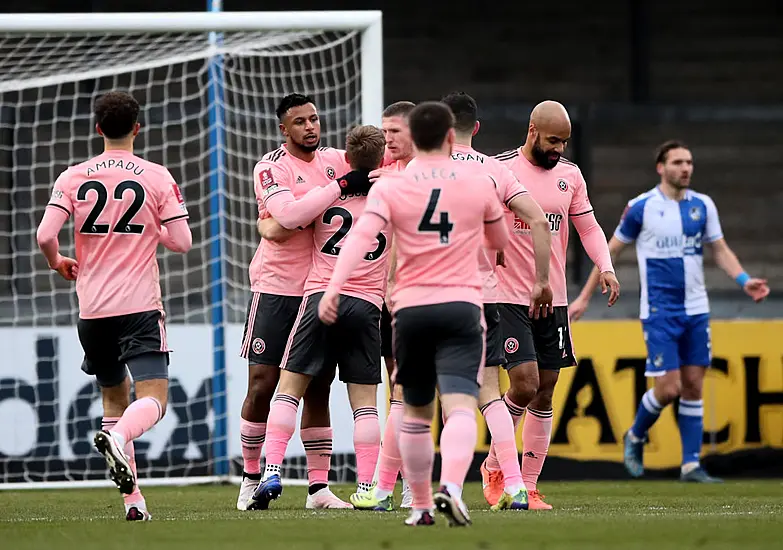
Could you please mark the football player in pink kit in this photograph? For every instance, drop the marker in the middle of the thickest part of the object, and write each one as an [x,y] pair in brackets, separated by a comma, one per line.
[122,207]
[399,146]
[537,348]
[517,199]
[294,184]
[354,343]
[440,213]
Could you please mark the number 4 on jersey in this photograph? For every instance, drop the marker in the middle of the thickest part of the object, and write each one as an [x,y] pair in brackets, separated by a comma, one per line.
[442,227]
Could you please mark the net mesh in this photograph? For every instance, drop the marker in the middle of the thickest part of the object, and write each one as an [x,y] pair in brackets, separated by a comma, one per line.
[48,83]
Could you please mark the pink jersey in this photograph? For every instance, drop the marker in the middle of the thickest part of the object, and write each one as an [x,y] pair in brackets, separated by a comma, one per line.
[562,193]
[119,202]
[368,281]
[507,187]
[282,268]
[436,209]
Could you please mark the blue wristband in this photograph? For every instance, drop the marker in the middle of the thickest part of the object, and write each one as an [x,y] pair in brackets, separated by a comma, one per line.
[742,278]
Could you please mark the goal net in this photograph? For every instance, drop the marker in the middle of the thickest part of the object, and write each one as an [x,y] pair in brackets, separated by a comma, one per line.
[208,84]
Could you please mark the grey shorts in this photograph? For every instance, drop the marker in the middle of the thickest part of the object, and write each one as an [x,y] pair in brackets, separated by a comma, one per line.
[137,340]
[494,354]
[267,327]
[353,343]
[438,345]
[546,340]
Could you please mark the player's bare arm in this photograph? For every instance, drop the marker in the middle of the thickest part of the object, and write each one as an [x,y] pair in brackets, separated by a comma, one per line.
[578,307]
[529,211]
[271,230]
[725,258]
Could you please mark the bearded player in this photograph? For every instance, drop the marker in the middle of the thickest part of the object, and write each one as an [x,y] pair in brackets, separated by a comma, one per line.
[537,346]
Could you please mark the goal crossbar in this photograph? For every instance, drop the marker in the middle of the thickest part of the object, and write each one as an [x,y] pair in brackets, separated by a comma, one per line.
[189,21]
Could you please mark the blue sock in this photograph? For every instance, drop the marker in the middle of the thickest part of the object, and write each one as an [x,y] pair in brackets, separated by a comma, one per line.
[648,412]
[690,420]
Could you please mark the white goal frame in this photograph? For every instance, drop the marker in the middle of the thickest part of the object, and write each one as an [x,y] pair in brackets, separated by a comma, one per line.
[368,23]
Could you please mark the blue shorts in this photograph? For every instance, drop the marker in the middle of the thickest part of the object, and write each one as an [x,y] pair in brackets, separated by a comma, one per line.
[673,342]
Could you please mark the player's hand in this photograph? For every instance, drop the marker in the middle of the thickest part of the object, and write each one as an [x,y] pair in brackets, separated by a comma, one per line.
[376,174]
[577,308]
[756,289]
[500,258]
[541,301]
[609,283]
[327,307]
[68,268]
[355,182]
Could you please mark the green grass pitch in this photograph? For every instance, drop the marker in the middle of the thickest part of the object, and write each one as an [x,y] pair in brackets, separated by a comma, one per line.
[604,515]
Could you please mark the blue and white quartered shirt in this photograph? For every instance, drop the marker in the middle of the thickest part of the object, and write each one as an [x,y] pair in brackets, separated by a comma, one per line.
[669,237]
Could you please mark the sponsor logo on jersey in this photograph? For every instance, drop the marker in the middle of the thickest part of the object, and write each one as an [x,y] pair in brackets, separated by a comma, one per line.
[57,194]
[300,180]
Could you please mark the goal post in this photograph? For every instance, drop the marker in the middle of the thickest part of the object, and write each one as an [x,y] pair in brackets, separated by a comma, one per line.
[208,84]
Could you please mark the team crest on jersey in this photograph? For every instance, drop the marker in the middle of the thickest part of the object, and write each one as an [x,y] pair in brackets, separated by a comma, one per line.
[512,345]
[258,346]
[695,213]
[562,185]
[330,173]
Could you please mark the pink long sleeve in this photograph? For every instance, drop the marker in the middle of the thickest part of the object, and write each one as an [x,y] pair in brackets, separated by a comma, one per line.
[359,242]
[294,213]
[176,236]
[594,241]
[52,222]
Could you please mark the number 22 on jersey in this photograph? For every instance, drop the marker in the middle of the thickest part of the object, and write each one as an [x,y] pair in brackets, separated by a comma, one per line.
[331,246]
[123,225]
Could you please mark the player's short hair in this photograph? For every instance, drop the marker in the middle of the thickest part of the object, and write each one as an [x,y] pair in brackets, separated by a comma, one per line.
[399,108]
[289,101]
[430,122]
[662,152]
[465,111]
[365,146]
[116,114]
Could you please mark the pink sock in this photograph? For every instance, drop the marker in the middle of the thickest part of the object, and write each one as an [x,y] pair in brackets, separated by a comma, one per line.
[366,443]
[280,426]
[457,443]
[107,424]
[501,428]
[318,449]
[139,417]
[390,458]
[535,436]
[418,452]
[516,412]
[251,435]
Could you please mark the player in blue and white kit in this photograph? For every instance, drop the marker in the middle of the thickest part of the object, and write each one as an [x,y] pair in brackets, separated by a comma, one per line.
[670,225]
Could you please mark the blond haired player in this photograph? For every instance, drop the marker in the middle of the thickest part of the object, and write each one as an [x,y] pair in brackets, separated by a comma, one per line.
[352,345]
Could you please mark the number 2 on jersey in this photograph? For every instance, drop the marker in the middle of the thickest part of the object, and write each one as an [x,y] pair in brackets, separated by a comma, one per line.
[443,227]
[123,224]
[331,247]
